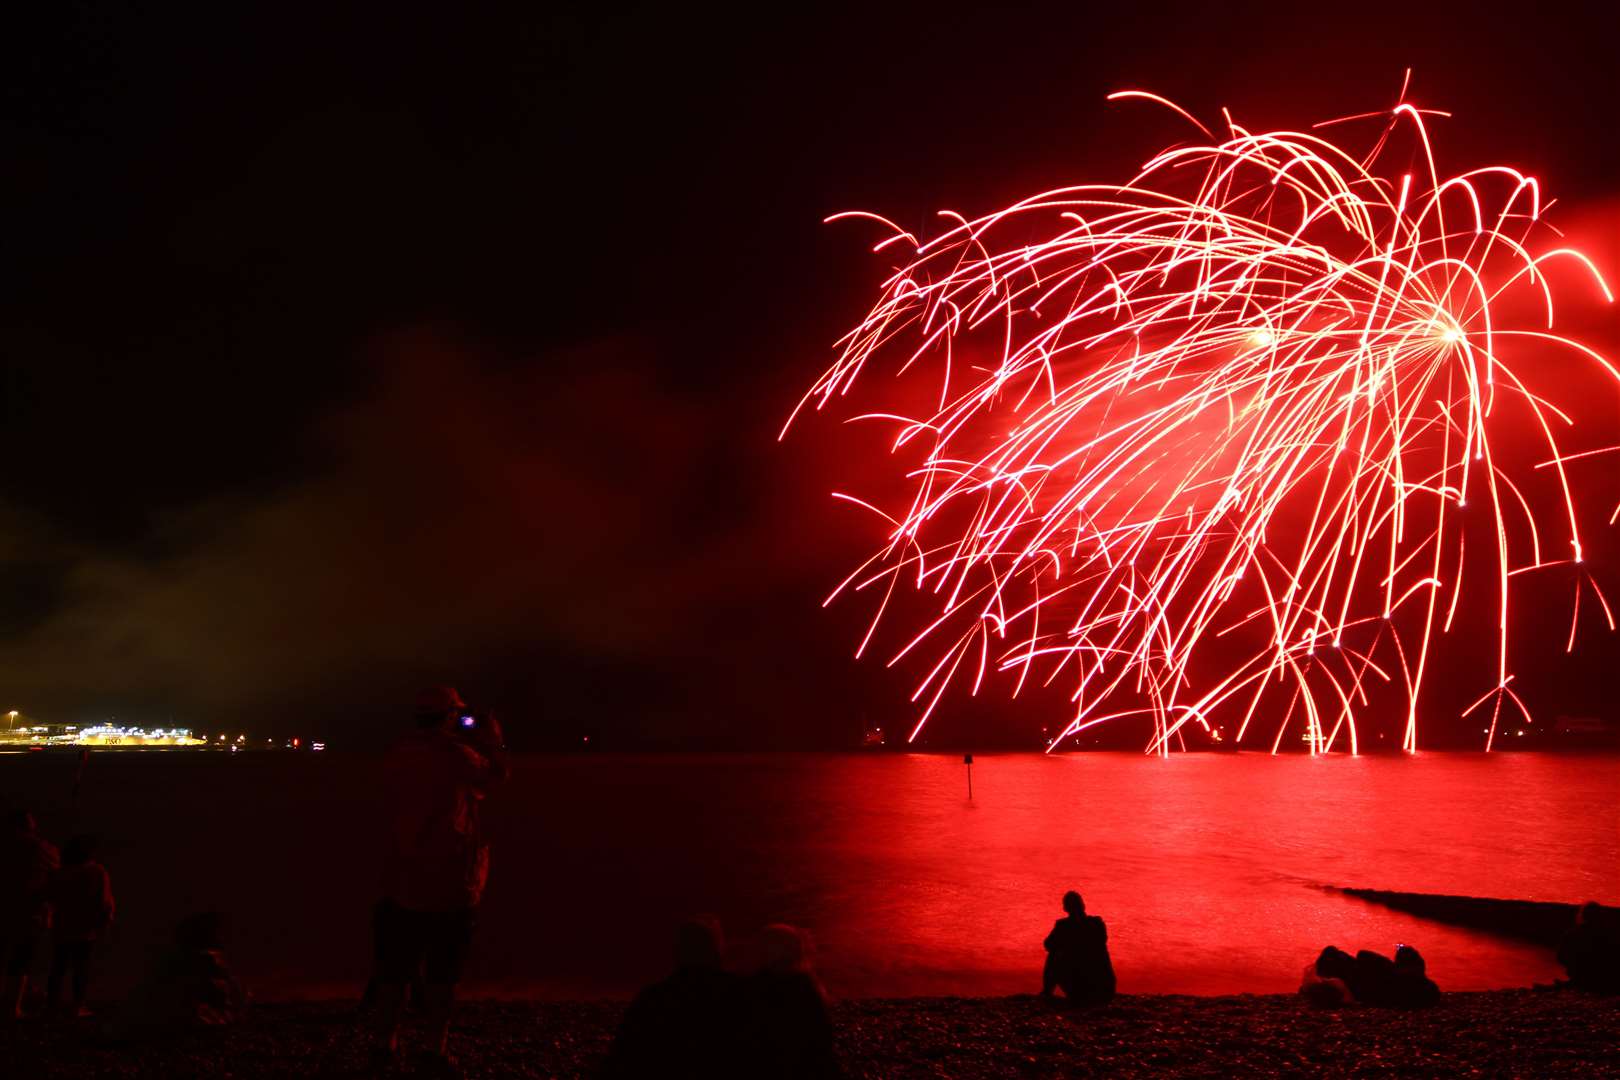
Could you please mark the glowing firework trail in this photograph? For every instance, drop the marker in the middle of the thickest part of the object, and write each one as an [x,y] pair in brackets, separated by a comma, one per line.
[1205,445]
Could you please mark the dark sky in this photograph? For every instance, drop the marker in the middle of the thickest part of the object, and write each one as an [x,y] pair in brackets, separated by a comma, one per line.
[353,349]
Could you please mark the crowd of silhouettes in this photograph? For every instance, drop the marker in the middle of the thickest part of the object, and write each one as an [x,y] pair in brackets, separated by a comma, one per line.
[66,898]
[1369,978]
[435,865]
[1589,952]
[705,1020]
[45,895]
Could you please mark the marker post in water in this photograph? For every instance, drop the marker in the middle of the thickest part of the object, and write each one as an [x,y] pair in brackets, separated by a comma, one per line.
[967,759]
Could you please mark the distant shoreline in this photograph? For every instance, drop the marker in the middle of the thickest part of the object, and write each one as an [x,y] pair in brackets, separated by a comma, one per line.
[701,750]
[1532,1032]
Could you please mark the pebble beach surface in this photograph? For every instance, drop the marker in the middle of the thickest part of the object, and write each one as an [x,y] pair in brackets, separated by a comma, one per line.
[1523,1033]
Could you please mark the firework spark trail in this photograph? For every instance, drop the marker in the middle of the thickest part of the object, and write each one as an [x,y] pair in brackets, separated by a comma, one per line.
[1232,415]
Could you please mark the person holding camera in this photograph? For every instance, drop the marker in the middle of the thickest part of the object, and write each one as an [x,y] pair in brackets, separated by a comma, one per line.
[436,864]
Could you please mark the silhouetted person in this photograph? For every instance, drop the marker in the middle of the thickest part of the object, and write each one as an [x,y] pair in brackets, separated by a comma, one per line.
[692,1023]
[1399,983]
[1590,952]
[81,908]
[1412,987]
[1327,980]
[791,1030]
[26,862]
[1077,956]
[436,865]
[189,988]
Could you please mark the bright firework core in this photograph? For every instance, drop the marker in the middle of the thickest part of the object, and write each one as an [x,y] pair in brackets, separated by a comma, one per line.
[1214,447]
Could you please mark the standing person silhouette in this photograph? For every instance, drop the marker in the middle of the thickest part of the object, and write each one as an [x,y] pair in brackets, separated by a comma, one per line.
[436,865]
[1077,956]
[82,908]
[27,861]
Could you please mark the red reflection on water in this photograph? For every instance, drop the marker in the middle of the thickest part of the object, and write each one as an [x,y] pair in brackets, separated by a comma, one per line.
[1207,867]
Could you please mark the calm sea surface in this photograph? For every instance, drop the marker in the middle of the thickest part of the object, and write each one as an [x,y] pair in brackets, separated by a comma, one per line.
[1208,869]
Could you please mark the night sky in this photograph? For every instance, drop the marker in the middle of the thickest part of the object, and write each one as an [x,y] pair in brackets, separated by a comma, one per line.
[351,350]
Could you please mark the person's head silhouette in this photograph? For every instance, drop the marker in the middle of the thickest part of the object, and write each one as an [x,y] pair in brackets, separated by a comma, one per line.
[1074,903]
[1409,960]
[1335,963]
[784,948]
[437,707]
[203,931]
[699,943]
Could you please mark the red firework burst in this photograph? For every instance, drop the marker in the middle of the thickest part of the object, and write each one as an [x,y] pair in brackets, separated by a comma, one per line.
[1206,443]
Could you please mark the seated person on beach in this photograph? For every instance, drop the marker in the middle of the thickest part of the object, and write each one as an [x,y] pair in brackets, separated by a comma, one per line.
[1370,979]
[1590,952]
[1400,983]
[1413,988]
[26,863]
[1327,981]
[81,908]
[1077,955]
[790,1027]
[190,987]
[692,1023]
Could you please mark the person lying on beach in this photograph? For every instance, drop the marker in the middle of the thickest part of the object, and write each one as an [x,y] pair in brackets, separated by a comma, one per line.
[1590,952]
[1077,959]
[81,908]
[1401,983]
[26,863]
[1370,978]
[792,1032]
[691,1023]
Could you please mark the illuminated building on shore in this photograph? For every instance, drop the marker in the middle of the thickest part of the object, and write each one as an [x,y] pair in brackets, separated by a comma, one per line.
[97,735]
[26,732]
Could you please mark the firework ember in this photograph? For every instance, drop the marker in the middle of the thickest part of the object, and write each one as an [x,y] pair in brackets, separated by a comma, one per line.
[1214,447]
